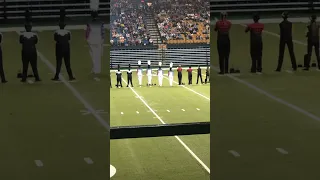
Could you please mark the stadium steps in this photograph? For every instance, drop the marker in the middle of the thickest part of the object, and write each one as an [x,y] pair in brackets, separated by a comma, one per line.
[153,29]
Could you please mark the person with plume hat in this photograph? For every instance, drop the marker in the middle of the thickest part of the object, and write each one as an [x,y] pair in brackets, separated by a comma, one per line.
[313,40]
[170,74]
[2,76]
[28,40]
[160,74]
[286,39]
[149,74]
[119,77]
[129,76]
[95,36]
[62,38]
[139,73]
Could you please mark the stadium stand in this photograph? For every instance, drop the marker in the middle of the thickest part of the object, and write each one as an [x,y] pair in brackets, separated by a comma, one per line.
[48,9]
[242,7]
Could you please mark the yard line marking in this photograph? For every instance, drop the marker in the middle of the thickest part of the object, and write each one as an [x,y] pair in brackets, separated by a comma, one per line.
[198,109]
[261,91]
[207,98]
[234,153]
[168,110]
[88,160]
[75,93]
[183,110]
[137,112]
[282,151]
[181,142]
[96,79]
[39,163]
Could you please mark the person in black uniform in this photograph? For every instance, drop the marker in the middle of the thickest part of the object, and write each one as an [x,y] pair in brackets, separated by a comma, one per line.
[189,75]
[62,38]
[199,75]
[119,77]
[313,40]
[28,40]
[223,27]
[207,80]
[110,81]
[180,74]
[286,39]
[2,76]
[256,45]
[129,76]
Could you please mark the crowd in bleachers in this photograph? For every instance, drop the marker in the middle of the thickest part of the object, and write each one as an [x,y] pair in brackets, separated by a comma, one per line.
[184,21]
[128,26]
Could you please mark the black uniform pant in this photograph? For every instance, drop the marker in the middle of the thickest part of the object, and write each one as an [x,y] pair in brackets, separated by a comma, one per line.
[130,80]
[207,78]
[2,76]
[29,57]
[282,45]
[119,82]
[180,78]
[256,57]
[224,52]
[199,76]
[314,44]
[63,55]
[189,78]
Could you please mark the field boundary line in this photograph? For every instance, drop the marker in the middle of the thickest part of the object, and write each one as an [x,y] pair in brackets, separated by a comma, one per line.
[261,91]
[160,119]
[86,104]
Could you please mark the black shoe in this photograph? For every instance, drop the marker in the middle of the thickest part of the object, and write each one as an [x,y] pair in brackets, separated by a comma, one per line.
[72,79]
[127,85]
[278,70]
[23,80]
[37,80]
[221,73]
[4,81]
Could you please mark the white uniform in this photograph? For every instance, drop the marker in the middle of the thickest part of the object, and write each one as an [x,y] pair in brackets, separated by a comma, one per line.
[170,74]
[139,73]
[149,74]
[95,37]
[160,76]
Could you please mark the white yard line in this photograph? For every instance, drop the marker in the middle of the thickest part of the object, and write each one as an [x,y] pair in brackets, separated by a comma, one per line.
[160,119]
[261,91]
[86,104]
[205,97]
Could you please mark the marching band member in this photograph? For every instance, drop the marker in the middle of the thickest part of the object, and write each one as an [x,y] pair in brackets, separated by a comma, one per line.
[129,76]
[2,76]
[160,74]
[139,73]
[149,74]
[170,74]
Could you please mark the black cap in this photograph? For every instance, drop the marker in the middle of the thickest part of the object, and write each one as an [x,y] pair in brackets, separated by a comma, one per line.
[256,17]
[285,14]
[118,66]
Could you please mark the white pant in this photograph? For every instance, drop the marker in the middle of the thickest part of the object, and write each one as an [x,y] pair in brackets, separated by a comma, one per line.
[149,79]
[140,79]
[160,78]
[96,54]
[170,80]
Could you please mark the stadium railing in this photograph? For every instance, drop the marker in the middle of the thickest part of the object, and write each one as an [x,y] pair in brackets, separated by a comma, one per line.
[48,9]
[243,7]
[161,130]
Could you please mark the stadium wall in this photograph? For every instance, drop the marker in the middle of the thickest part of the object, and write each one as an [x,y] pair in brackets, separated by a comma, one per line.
[183,56]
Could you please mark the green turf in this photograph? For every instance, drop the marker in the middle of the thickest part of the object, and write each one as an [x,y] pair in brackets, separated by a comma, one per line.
[255,125]
[160,158]
[43,122]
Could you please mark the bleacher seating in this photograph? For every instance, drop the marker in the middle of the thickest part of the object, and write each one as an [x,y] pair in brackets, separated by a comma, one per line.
[46,9]
[263,6]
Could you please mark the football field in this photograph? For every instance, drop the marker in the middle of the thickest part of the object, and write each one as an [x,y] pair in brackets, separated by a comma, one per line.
[52,130]
[266,126]
[167,158]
